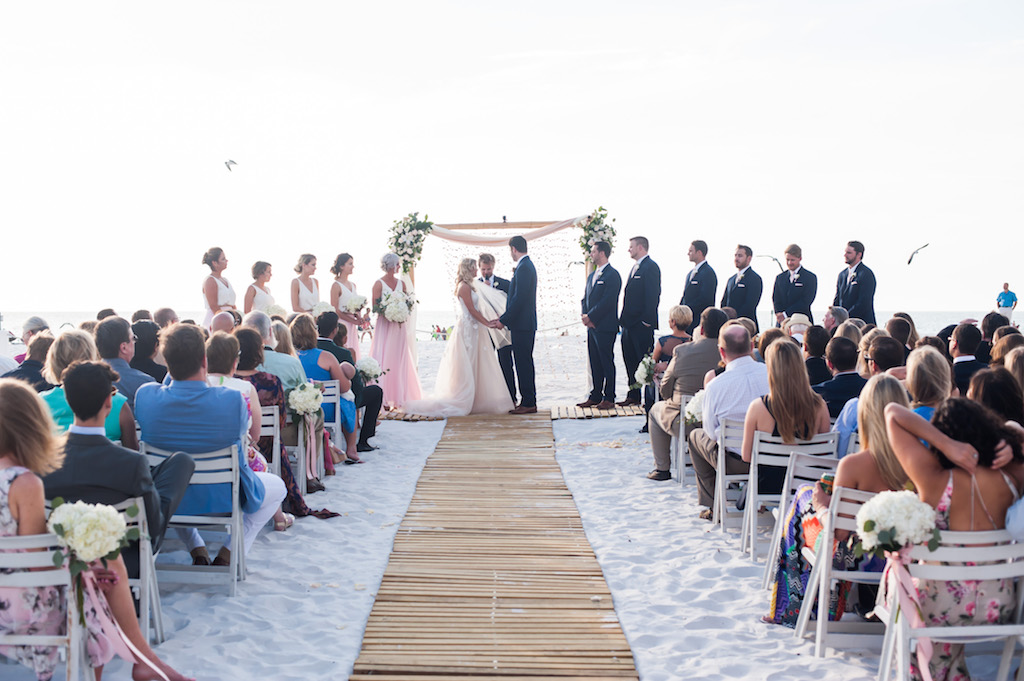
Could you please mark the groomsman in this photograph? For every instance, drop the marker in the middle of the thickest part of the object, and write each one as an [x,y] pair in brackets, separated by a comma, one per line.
[795,288]
[855,287]
[701,283]
[489,278]
[743,290]
[639,316]
[600,315]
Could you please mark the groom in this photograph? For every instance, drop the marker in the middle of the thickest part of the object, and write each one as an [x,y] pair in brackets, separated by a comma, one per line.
[521,319]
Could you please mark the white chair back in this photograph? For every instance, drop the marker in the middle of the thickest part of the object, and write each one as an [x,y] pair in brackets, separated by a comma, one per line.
[270,426]
[683,465]
[730,439]
[853,444]
[145,585]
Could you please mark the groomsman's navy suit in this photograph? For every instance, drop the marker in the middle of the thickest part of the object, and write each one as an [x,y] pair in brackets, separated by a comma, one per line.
[505,353]
[639,317]
[857,295]
[601,303]
[796,296]
[699,293]
[744,294]
[521,319]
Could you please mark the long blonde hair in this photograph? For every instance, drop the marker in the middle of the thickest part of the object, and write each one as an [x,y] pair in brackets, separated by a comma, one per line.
[284,338]
[27,429]
[928,376]
[465,272]
[794,405]
[879,391]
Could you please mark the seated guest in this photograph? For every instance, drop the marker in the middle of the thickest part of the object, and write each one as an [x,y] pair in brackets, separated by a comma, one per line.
[191,416]
[31,369]
[1004,331]
[1002,348]
[1014,363]
[147,335]
[815,340]
[140,315]
[97,471]
[998,390]
[883,354]
[796,326]
[846,383]
[104,313]
[938,344]
[929,380]
[332,338]
[30,328]
[115,341]
[849,329]
[914,336]
[767,337]
[222,321]
[165,317]
[662,353]
[900,330]
[862,358]
[73,345]
[283,334]
[728,396]
[963,343]
[683,376]
[989,324]
[835,316]
[283,365]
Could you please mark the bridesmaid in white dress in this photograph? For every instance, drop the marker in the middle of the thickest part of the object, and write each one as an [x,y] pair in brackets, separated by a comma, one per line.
[342,290]
[257,296]
[305,289]
[217,292]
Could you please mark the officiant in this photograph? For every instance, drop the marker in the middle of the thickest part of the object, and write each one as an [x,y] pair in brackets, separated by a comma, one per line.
[496,283]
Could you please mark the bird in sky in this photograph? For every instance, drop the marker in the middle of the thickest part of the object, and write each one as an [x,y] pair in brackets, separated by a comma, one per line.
[229,163]
[911,258]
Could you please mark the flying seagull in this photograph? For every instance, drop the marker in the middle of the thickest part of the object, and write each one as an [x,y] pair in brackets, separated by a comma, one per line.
[911,258]
[781,268]
[230,163]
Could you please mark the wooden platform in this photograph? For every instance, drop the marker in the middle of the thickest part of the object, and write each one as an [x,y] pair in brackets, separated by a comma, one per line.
[395,415]
[574,412]
[491,574]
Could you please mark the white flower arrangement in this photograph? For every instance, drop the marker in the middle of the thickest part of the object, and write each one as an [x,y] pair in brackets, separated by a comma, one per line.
[355,304]
[305,399]
[596,228]
[320,308]
[369,369]
[89,531]
[274,309]
[644,373]
[395,306]
[406,240]
[695,409]
[890,521]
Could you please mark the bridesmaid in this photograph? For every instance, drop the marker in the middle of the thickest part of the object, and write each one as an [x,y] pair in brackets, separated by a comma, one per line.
[217,292]
[390,346]
[305,289]
[257,296]
[342,290]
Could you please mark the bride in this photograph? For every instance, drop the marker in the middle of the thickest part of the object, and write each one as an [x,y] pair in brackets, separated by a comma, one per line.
[469,380]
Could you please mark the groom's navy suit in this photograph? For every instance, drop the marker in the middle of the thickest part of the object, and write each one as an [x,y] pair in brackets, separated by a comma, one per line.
[505,353]
[639,317]
[521,319]
[601,304]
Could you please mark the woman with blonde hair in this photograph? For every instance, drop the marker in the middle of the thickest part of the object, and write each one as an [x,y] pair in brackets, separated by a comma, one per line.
[1014,363]
[848,330]
[1002,348]
[865,342]
[914,336]
[929,379]
[469,380]
[217,292]
[342,291]
[283,334]
[305,289]
[71,346]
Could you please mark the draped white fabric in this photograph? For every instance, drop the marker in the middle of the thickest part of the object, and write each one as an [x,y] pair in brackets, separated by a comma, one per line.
[462,237]
[491,304]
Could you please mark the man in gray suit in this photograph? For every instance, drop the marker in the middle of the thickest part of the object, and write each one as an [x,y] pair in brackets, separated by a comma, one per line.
[683,376]
[97,471]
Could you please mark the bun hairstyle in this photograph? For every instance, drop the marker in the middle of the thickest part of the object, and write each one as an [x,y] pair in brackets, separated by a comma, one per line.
[304,259]
[339,263]
[389,262]
[212,256]
[259,268]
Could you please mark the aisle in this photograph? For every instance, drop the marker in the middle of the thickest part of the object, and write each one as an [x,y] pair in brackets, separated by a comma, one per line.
[491,574]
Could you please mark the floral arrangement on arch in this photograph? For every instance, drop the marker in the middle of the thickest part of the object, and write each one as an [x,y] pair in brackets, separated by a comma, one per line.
[596,227]
[406,240]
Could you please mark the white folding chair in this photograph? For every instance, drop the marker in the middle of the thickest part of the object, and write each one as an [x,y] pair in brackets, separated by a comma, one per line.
[212,468]
[731,438]
[270,426]
[298,452]
[771,452]
[31,558]
[680,450]
[803,469]
[842,516]
[953,562]
[145,585]
[853,444]
[332,395]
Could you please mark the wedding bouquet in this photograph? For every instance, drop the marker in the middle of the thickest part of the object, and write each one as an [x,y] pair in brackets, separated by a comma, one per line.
[644,373]
[305,399]
[407,236]
[369,369]
[892,521]
[320,308]
[695,409]
[596,228]
[276,310]
[355,304]
[395,306]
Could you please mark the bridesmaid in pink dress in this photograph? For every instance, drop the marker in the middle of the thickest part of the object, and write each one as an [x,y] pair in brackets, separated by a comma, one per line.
[342,290]
[390,346]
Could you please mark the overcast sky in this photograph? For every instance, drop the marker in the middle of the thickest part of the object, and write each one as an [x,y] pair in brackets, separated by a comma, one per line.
[895,122]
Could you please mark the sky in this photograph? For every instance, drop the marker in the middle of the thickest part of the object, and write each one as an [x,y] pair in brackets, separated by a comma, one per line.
[897,123]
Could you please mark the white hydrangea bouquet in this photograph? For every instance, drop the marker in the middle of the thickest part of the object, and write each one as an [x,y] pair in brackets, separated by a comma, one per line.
[644,373]
[695,409]
[355,304]
[274,309]
[320,308]
[406,240]
[369,369]
[395,306]
[305,399]
[893,521]
[596,227]
[87,533]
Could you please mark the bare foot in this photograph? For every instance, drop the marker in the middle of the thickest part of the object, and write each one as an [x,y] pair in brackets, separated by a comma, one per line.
[144,672]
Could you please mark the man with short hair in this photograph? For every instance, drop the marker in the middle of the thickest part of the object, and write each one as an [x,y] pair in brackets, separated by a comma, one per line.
[684,375]
[841,354]
[98,471]
[989,324]
[115,341]
[164,317]
[639,316]
[31,369]
[600,307]
[835,316]
[701,283]
[1006,302]
[728,396]
[743,289]
[815,340]
[855,286]
[222,321]
[488,277]
[192,416]
[330,330]
[962,347]
[899,328]
[795,288]
[521,319]
[884,353]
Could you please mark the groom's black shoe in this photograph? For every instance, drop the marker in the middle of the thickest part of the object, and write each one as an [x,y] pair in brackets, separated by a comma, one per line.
[524,410]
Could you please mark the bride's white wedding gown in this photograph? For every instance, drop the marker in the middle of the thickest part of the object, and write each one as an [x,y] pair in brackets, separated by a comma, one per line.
[469,380]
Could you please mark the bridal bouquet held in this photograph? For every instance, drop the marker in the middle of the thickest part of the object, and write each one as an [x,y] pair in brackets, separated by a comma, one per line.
[644,374]
[305,401]
[395,306]
[355,304]
[369,369]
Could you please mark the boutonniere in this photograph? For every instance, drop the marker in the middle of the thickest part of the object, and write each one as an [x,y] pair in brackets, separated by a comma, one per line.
[796,276]
[739,277]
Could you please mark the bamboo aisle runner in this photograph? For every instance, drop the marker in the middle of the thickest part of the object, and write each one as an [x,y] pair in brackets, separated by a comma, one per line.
[491,575]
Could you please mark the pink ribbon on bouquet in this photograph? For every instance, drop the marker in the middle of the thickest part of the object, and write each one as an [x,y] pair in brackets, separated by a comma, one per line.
[310,444]
[909,602]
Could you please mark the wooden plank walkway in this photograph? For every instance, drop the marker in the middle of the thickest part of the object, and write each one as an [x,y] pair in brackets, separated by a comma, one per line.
[574,412]
[491,575]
